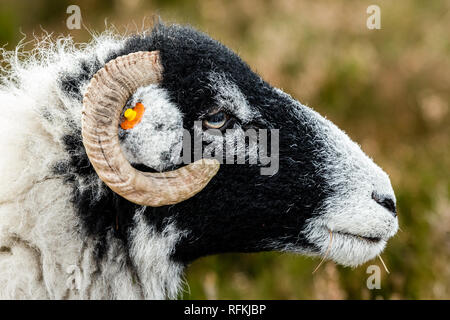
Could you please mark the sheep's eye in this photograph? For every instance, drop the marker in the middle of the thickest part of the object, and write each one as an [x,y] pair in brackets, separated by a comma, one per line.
[215,120]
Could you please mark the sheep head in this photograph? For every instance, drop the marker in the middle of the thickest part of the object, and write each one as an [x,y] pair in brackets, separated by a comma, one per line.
[323,182]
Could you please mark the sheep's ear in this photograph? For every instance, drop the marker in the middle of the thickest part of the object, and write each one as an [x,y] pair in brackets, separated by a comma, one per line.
[103,104]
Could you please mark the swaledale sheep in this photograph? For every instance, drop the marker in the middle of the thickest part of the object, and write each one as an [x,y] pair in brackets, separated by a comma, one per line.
[89,210]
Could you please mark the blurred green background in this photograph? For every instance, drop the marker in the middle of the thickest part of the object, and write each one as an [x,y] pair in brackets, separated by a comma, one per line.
[389,89]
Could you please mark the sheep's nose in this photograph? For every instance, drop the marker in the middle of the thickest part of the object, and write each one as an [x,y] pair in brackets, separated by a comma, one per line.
[386,201]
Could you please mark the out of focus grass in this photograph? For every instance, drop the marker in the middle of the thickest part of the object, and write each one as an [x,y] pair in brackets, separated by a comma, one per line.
[389,89]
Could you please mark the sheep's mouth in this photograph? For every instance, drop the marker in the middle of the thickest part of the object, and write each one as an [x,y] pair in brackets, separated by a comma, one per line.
[372,240]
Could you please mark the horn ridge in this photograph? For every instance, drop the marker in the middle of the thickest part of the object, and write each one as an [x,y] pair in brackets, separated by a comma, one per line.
[103,102]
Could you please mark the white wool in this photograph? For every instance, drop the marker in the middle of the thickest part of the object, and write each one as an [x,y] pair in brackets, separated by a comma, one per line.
[162,273]
[158,139]
[43,254]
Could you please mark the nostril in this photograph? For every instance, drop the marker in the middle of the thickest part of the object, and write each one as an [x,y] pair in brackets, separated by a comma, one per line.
[385,201]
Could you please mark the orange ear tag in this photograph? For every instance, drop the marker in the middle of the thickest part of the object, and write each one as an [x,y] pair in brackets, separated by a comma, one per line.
[132,116]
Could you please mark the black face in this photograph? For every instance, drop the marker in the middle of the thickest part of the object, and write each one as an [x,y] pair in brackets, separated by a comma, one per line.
[240,210]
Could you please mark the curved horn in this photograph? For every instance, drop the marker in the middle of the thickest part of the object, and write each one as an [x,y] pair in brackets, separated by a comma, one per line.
[103,102]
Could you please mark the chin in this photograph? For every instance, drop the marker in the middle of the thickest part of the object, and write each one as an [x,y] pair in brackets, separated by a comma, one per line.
[348,249]
[351,240]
